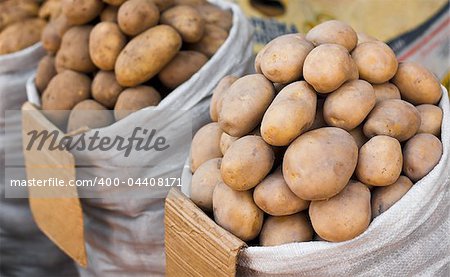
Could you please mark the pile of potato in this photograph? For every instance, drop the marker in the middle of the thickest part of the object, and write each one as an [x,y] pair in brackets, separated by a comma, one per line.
[328,134]
[123,55]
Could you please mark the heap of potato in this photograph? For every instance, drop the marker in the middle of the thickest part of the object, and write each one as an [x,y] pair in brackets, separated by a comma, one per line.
[328,134]
[123,55]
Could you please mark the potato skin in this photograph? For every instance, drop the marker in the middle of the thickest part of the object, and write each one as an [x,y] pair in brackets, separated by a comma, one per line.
[163,4]
[215,15]
[146,54]
[290,114]
[244,104]
[218,94]
[274,197]
[20,35]
[79,12]
[225,142]
[114,2]
[105,43]
[109,14]
[212,40]
[239,170]
[283,58]
[90,114]
[380,161]
[105,88]
[349,105]
[186,20]
[45,72]
[335,32]
[328,66]
[376,61]
[396,118]
[205,145]
[385,197]
[236,212]
[324,158]
[430,119]
[421,154]
[204,180]
[279,230]
[319,121]
[386,91]
[136,16]
[52,34]
[183,66]
[344,216]
[134,99]
[13,11]
[417,84]
[358,136]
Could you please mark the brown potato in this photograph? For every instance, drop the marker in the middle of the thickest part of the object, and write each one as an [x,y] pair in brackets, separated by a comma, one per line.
[386,91]
[105,88]
[349,105]
[335,32]
[396,118]
[421,154]
[146,54]
[376,61]
[279,230]
[274,197]
[45,72]
[109,14]
[163,4]
[417,84]
[20,35]
[239,170]
[136,16]
[134,99]
[344,216]
[12,11]
[236,212]
[79,12]
[218,94]
[380,161]
[358,136]
[205,145]
[115,2]
[430,119]
[258,59]
[290,114]
[90,114]
[225,142]
[181,68]
[328,66]
[215,15]
[319,121]
[212,40]
[363,37]
[186,20]
[283,58]
[204,180]
[319,163]
[190,2]
[385,197]
[53,33]
[244,104]
[50,9]
[105,43]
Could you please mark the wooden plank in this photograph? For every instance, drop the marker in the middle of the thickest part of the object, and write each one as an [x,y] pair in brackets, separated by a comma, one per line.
[195,244]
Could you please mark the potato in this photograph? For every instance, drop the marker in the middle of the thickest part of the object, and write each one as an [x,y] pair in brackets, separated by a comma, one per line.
[91,114]
[376,61]
[186,20]
[396,118]
[74,51]
[363,37]
[212,40]
[163,4]
[181,68]
[189,2]
[430,119]
[335,32]
[50,9]
[218,94]
[385,197]
[45,72]
[319,121]
[79,12]
[258,60]
[115,2]
[386,91]
[283,58]
[279,230]
[358,136]
[239,170]
[290,114]
[319,163]
[421,154]
[417,85]
[215,15]
[225,142]
[109,14]
[146,54]
[205,145]
[274,197]
[13,11]
[21,35]
[380,161]
[328,66]
[135,99]
[344,216]
[136,16]
[236,212]
[244,104]
[204,180]
[105,88]
[105,43]
[53,33]
[349,105]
